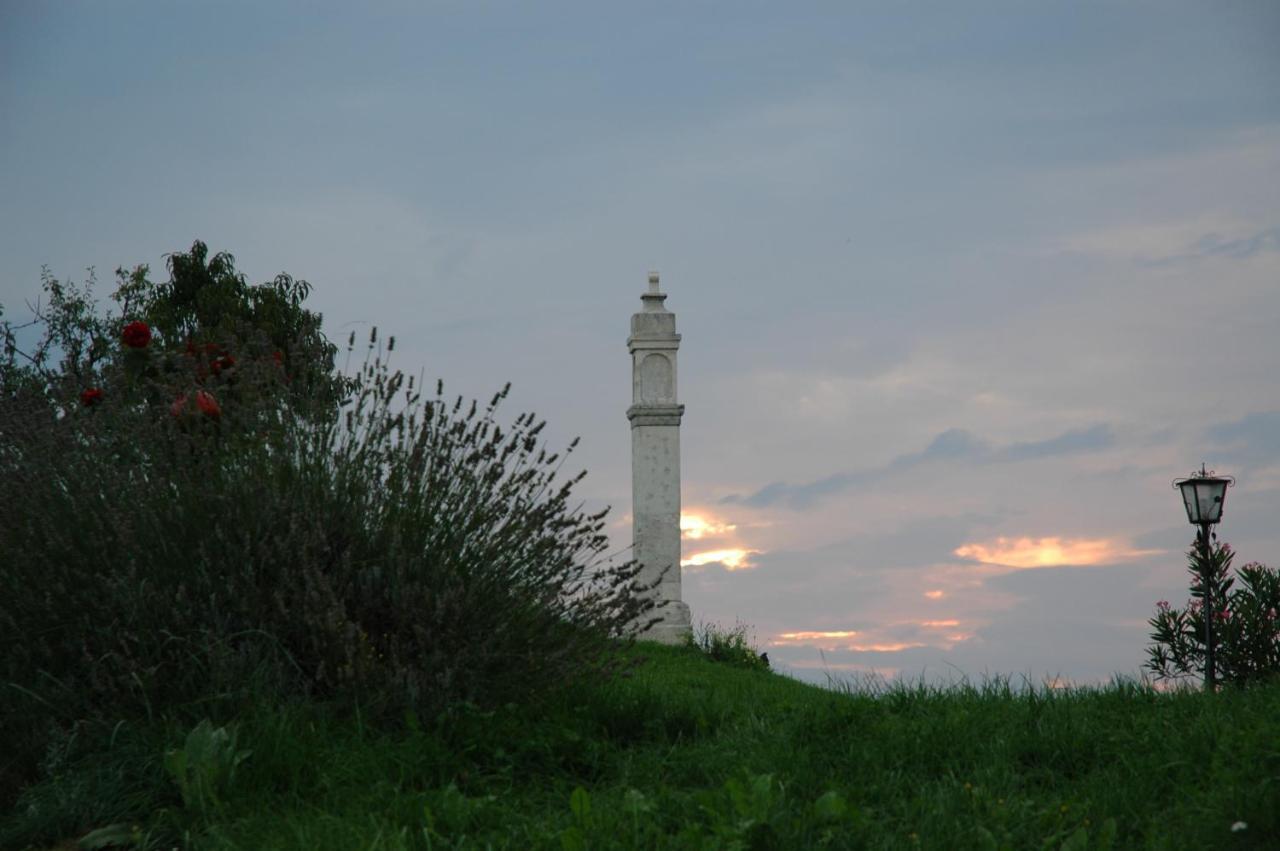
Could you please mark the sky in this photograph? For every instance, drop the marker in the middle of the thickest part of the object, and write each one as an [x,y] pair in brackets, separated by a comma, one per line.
[962,287]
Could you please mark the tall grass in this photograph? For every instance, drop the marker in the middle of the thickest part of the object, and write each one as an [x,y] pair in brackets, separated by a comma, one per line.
[689,753]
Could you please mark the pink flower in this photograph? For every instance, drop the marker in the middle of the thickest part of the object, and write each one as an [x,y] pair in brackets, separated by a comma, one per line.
[207,404]
[1163,605]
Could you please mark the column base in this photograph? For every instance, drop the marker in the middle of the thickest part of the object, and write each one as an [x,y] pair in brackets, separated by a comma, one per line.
[674,627]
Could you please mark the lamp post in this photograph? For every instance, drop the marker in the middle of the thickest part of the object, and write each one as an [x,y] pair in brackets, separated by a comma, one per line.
[1203,495]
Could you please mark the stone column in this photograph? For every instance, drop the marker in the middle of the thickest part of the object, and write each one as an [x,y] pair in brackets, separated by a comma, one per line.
[655,460]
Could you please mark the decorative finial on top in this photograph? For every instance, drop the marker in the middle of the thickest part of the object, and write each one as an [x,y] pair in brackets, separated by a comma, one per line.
[654,298]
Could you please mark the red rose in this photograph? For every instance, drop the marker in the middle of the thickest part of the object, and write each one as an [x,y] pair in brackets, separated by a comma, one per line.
[92,396]
[207,404]
[136,335]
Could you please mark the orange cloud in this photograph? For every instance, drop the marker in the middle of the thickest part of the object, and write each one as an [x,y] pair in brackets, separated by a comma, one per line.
[1049,552]
[832,640]
[892,647]
[698,526]
[939,624]
[810,636]
[935,594]
[732,559]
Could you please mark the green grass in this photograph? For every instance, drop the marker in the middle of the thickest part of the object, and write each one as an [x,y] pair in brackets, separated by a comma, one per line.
[687,753]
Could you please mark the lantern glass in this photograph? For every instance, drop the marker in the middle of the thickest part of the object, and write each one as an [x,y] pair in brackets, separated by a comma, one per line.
[1203,498]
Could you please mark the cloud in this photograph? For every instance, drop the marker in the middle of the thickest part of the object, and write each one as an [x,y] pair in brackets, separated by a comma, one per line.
[894,636]
[1166,244]
[1215,245]
[1251,441]
[732,559]
[1050,552]
[811,636]
[953,445]
[1089,439]
[695,527]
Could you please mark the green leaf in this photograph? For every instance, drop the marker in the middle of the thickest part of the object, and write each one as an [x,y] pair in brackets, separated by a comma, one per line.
[571,839]
[830,806]
[580,804]
[1078,841]
[1106,835]
[105,837]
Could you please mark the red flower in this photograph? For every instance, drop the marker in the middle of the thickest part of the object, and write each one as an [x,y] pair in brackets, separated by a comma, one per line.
[207,404]
[224,362]
[178,405]
[92,396]
[136,335]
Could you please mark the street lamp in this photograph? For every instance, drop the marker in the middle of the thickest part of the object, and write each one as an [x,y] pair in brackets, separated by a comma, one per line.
[1203,495]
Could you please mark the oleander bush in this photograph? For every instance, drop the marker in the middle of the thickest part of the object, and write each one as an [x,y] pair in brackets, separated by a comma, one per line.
[1246,622]
[181,534]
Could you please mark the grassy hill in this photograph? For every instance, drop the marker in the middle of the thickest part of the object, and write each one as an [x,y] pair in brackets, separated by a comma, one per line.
[689,753]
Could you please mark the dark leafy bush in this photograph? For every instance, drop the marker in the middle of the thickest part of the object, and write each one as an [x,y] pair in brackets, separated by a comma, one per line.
[398,552]
[1246,623]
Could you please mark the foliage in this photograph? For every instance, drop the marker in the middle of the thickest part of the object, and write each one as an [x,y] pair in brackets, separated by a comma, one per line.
[731,646]
[201,328]
[205,766]
[167,554]
[685,753]
[1245,623]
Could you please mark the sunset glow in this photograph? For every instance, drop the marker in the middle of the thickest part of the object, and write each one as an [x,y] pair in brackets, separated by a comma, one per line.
[697,526]
[812,636]
[939,624]
[834,640]
[1049,552]
[934,595]
[732,559]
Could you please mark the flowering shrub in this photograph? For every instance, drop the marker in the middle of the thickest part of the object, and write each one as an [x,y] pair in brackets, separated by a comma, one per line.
[1245,625]
[206,322]
[205,536]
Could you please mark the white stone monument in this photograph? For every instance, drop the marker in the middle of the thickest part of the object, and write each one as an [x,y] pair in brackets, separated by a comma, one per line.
[655,461]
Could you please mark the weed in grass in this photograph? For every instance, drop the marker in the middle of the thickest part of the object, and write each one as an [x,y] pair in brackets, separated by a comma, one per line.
[205,766]
[732,646]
